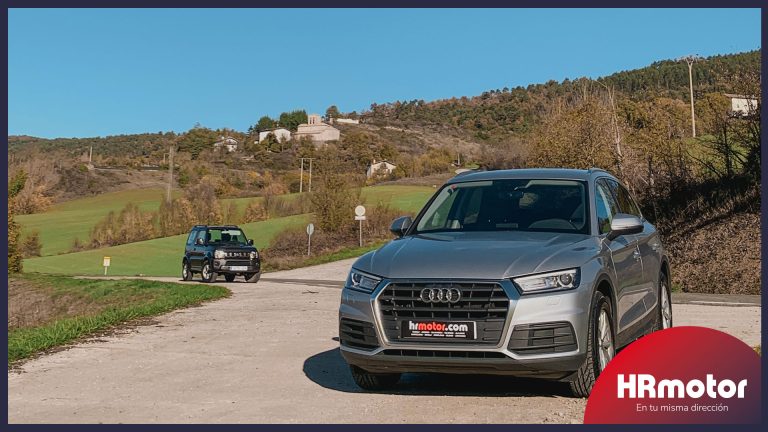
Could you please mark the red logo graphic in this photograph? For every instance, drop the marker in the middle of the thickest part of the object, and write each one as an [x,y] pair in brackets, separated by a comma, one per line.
[679,375]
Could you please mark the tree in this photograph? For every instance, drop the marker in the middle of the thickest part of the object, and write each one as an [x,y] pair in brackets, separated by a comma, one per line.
[15,263]
[265,123]
[196,140]
[292,119]
[332,112]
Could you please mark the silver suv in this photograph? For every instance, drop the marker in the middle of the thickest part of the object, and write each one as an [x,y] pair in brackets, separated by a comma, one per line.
[533,272]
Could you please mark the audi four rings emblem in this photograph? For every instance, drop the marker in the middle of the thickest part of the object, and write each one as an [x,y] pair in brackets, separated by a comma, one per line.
[440,295]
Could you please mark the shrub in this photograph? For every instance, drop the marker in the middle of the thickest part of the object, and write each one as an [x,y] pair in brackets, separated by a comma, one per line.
[14,255]
[31,246]
[255,212]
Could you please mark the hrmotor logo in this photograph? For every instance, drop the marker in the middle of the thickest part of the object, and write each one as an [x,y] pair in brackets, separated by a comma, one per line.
[679,375]
[436,326]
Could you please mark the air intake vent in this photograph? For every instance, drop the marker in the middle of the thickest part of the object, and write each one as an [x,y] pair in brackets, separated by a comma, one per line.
[543,338]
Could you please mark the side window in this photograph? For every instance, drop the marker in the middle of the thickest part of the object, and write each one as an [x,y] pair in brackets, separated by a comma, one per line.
[191,238]
[201,235]
[626,203]
[606,206]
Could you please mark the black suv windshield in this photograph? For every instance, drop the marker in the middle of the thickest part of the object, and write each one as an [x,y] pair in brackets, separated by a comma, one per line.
[226,235]
[508,205]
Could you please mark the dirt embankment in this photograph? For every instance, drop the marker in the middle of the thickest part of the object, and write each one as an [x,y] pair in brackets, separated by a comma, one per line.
[32,304]
[721,257]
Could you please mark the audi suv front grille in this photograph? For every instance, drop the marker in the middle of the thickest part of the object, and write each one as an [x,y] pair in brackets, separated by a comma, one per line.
[484,303]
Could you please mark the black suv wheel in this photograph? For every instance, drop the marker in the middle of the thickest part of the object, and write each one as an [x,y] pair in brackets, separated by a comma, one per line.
[229,277]
[207,273]
[186,272]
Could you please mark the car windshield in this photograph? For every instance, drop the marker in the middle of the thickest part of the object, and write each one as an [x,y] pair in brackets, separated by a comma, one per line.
[227,235]
[508,205]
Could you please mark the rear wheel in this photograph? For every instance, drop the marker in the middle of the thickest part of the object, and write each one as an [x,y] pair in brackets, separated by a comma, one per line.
[207,273]
[229,277]
[372,381]
[600,346]
[252,277]
[186,272]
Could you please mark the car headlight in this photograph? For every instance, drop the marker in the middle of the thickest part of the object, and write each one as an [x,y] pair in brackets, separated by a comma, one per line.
[360,281]
[254,255]
[547,282]
[218,254]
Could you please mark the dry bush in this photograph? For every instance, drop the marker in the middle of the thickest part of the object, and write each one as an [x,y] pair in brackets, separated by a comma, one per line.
[131,225]
[255,212]
[31,245]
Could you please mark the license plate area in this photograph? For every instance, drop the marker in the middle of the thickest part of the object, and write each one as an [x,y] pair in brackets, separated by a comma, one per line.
[438,330]
[238,268]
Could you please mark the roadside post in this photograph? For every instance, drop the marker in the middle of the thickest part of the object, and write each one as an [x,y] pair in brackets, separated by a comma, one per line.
[360,216]
[310,231]
[106,262]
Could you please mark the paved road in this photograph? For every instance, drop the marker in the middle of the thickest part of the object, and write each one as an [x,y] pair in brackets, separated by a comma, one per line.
[268,354]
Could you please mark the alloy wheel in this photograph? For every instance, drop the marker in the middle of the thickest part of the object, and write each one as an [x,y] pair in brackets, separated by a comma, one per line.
[666,308]
[605,339]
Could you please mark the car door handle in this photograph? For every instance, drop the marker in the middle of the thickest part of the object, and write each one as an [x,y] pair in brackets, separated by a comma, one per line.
[636,254]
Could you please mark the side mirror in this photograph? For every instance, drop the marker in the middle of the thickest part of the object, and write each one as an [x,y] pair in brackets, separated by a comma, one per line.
[400,225]
[623,224]
[250,242]
[199,241]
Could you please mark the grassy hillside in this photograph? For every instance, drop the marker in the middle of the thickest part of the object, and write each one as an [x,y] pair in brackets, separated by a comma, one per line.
[161,257]
[157,257]
[64,222]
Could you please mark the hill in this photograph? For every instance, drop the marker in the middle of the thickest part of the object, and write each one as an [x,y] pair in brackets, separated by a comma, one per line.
[501,113]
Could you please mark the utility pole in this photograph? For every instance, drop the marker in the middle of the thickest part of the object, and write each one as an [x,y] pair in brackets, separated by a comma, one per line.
[301,178]
[690,60]
[90,156]
[170,174]
[301,175]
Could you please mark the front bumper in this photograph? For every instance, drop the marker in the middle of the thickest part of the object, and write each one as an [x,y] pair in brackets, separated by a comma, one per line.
[555,314]
[236,266]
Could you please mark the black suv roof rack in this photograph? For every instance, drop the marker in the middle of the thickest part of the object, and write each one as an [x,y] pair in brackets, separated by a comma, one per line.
[593,169]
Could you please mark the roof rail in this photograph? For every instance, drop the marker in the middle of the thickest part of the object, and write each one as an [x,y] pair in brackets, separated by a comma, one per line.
[593,169]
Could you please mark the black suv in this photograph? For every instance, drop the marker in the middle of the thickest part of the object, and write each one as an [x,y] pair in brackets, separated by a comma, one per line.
[214,250]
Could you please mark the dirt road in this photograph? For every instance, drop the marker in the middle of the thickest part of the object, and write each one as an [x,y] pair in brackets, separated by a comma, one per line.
[268,354]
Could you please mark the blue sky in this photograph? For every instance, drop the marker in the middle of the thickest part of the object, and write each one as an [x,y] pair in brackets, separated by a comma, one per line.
[104,72]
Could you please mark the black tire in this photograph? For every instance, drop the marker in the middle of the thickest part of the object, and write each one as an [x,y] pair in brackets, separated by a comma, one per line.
[663,287]
[207,273]
[371,381]
[186,271]
[229,277]
[252,277]
[582,382]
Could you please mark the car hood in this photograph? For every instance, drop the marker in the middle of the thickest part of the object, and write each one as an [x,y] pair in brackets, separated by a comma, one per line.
[478,255]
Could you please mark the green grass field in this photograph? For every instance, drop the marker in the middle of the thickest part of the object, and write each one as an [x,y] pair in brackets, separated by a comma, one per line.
[64,222]
[95,305]
[157,257]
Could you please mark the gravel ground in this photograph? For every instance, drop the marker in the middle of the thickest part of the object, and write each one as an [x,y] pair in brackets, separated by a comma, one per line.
[268,354]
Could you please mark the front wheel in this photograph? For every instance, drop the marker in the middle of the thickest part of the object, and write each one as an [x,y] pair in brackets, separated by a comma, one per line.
[372,381]
[229,277]
[186,272]
[207,273]
[600,346]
